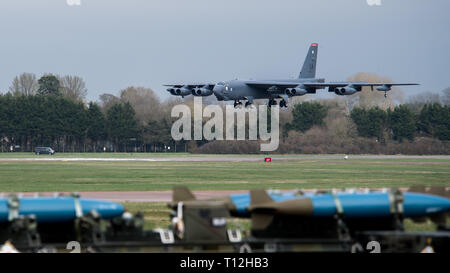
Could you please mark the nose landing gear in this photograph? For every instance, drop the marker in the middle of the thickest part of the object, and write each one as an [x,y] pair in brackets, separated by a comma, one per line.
[272,102]
[237,103]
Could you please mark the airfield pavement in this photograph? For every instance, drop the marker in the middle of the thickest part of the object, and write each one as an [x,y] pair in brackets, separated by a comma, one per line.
[224,158]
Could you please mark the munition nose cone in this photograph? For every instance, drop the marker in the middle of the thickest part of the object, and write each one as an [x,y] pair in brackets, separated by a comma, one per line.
[420,204]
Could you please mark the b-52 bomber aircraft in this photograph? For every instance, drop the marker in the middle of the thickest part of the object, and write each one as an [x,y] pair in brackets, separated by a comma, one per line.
[248,90]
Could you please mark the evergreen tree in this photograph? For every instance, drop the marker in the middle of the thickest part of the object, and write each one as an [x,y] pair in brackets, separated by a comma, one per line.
[306,115]
[403,123]
[369,123]
[49,85]
[434,120]
[96,124]
[122,125]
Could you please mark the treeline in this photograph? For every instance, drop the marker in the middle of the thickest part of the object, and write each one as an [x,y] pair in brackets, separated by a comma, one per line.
[433,120]
[52,112]
[66,125]
[371,130]
[327,127]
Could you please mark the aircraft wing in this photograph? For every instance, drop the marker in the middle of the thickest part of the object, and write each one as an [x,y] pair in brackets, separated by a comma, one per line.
[191,85]
[358,84]
[281,84]
[318,85]
[269,84]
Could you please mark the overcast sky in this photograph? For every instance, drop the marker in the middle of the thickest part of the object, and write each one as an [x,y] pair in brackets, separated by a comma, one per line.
[113,44]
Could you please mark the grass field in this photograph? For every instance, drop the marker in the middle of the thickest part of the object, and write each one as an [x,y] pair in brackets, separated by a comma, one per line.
[156,213]
[40,176]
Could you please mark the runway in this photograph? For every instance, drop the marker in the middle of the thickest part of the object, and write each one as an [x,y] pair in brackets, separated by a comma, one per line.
[146,159]
[223,158]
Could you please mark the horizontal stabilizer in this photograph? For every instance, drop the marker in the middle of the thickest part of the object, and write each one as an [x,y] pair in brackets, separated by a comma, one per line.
[181,194]
[261,221]
[258,197]
[261,202]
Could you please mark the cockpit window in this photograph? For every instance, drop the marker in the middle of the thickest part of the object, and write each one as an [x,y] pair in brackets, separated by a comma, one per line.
[221,83]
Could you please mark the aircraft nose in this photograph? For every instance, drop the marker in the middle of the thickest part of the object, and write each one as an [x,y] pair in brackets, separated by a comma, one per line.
[217,90]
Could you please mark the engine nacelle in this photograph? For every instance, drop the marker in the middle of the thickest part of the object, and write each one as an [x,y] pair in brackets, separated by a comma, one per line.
[172,91]
[296,91]
[346,90]
[183,91]
[179,91]
[384,88]
[202,92]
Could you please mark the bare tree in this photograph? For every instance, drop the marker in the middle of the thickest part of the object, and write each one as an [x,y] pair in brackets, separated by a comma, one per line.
[425,97]
[24,84]
[108,100]
[145,102]
[415,103]
[73,87]
[299,99]
[368,98]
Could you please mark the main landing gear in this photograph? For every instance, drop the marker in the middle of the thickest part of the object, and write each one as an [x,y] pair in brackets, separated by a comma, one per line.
[238,103]
[272,102]
[283,103]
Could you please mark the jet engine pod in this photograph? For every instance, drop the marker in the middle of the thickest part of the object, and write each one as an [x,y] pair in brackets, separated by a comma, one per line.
[183,91]
[290,91]
[202,92]
[384,88]
[296,91]
[346,90]
[172,91]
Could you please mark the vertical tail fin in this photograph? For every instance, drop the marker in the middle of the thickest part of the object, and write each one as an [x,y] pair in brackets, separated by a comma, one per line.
[309,66]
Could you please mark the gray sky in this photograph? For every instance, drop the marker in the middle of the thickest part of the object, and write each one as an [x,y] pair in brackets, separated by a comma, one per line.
[113,44]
